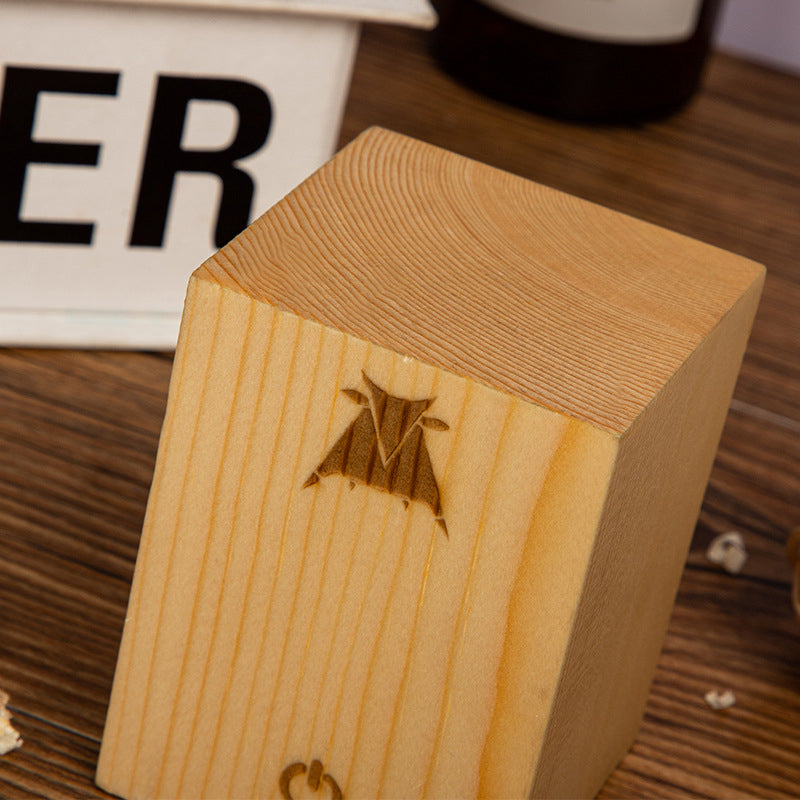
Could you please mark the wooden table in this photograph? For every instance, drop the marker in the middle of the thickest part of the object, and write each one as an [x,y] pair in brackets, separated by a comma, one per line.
[78,435]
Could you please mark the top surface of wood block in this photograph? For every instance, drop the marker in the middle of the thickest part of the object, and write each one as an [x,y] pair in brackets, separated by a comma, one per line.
[493,277]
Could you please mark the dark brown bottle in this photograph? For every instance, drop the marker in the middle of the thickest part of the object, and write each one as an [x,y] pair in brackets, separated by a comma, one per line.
[594,65]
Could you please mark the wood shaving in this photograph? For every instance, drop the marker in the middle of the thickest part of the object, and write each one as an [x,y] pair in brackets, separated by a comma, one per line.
[9,738]
[719,702]
[728,551]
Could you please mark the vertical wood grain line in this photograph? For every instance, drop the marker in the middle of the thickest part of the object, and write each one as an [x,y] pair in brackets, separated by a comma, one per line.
[245,461]
[337,623]
[234,525]
[327,437]
[249,588]
[275,327]
[120,687]
[381,632]
[284,529]
[203,567]
[399,703]
[170,557]
[373,656]
[464,612]
[354,638]
[555,470]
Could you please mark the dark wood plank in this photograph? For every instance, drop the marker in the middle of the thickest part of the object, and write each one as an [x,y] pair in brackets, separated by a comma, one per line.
[78,437]
[54,763]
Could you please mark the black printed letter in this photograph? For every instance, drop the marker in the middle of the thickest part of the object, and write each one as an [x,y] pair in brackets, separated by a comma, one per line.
[18,149]
[165,157]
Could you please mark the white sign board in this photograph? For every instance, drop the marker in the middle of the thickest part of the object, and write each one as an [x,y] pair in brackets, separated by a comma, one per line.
[135,141]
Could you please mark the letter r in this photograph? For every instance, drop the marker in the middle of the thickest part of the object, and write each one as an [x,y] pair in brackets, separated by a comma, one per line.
[165,157]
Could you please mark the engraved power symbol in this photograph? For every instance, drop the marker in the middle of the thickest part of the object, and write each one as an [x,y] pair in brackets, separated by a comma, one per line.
[384,447]
[314,780]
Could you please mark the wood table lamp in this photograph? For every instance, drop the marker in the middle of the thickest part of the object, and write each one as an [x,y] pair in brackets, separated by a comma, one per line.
[436,442]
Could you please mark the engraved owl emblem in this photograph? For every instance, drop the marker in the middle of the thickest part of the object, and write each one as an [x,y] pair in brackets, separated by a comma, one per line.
[384,447]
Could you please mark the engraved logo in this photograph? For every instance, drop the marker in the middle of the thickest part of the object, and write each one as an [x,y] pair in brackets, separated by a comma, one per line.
[384,447]
[315,778]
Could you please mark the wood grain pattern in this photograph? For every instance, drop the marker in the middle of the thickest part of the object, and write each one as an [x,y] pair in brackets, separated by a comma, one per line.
[398,672]
[275,615]
[79,433]
[532,291]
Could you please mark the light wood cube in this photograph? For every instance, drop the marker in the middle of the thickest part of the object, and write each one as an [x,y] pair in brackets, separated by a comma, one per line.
[436,442]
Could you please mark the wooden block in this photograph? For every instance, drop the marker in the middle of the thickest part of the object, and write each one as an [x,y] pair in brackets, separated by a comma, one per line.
[436,442]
